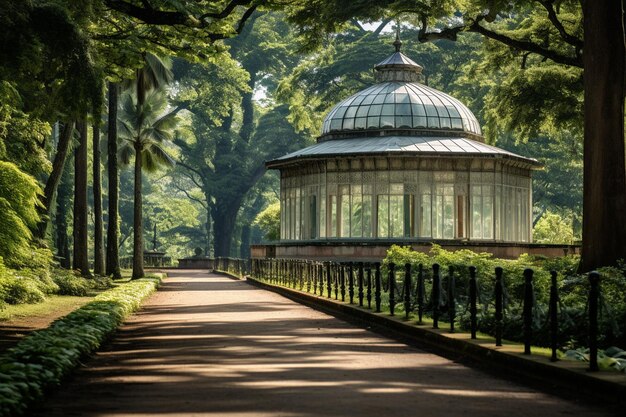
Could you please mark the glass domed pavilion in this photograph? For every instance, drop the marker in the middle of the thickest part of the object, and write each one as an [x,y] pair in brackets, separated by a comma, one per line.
[400,161]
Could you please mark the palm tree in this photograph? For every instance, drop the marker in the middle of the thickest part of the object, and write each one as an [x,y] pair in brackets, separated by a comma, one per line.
[153,75]
[145,130]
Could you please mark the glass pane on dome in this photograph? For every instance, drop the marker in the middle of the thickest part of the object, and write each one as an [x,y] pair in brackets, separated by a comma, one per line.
[340,112]
[419,121]
[379,99]
[403,121]
[375,110]
[403,109]
[418,110]
[348,123]
[373,122]
[335,124]
[430,110]
[388,110]
[357,100]
[453,111]
[368,99]
[402,98]
[441,110]
[351,111]
[360,122]
[390,98]
[362,111]
[386,121]
[457,124]
[445,123]
[433,122]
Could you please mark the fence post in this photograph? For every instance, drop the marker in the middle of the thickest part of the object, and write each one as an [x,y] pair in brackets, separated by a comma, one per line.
[435,297]
[329,284]
[594,294]
[336,278]
[554,325]
[369,287]
[528,309]
[342,279]
[377,286]
[473,292]
[320,278]
[420,293]
[451,297]
[407,290]
[499,304]
[392,289]
[360,283]
[351,282]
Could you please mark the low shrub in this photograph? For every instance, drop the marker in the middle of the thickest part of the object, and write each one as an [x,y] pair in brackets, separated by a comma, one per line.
[573,292]
[20,290]
[45,357]
[71,284]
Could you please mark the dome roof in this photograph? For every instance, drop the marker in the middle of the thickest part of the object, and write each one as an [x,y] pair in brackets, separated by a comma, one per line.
[400,105]
[399,101]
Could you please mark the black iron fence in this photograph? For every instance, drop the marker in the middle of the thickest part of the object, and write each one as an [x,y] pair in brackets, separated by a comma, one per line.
[235,266]
[430,296]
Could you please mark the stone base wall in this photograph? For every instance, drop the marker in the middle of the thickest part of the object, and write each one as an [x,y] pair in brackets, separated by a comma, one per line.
[377,251]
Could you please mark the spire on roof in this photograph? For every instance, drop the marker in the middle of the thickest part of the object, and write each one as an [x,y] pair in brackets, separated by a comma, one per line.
[397,43]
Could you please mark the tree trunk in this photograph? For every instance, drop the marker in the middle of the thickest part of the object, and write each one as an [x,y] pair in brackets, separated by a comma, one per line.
[137,219]
[63,201]
[224,227]
[604,199]
[98,259]
[208,231]
[52,183]
[113,230]
[80,253]
[244,246]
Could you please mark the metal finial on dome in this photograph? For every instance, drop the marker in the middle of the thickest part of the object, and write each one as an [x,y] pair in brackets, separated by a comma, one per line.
[397,43]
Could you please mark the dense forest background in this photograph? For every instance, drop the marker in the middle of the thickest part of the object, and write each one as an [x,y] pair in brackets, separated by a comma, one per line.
[120,120]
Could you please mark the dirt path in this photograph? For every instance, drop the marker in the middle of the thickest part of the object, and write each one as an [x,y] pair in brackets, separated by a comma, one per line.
[205,345]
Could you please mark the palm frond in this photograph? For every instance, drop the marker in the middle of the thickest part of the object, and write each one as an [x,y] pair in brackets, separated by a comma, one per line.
[155,157]
[125,153]
[156,72]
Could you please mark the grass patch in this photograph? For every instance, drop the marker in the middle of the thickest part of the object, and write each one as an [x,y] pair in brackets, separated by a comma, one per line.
[45,357]
[52,304]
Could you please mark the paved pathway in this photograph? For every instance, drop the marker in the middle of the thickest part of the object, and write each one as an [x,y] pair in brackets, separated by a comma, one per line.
[205,345]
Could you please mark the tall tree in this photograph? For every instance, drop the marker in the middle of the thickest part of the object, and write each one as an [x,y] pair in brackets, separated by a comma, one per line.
[80,258]
[61,216]
[98,259]
[145,130]
[604,200]
[113,228]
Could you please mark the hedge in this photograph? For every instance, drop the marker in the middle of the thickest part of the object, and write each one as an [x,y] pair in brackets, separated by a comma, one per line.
[45,357]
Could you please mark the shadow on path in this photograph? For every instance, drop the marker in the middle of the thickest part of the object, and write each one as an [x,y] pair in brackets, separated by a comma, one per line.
[205,345]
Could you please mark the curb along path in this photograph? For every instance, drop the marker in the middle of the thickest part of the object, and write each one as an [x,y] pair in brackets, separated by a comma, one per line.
[206,345]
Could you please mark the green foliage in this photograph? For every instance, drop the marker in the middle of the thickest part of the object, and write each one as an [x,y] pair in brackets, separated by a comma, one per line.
[147,127]
[613,358]
[70,283]
[19,197]
[552,228]
[44,358]
[269,221]
[573,290]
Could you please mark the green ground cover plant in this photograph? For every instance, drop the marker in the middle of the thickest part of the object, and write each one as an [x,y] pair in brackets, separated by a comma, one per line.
[34,282]
[45,357]
[573,294]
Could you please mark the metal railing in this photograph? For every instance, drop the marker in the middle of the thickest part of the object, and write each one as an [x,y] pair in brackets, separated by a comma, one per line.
[418,292]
